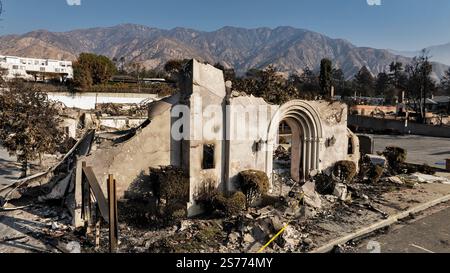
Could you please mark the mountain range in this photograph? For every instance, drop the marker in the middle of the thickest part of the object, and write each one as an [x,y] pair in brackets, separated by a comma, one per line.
[288,49]
[438,53]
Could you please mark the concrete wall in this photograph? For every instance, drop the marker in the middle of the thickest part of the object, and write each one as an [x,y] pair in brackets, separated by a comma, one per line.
[203,86]
[71,125]
[152,147]
[87,101]
[334,124]
[121,123]
[332,147]
[244,152]
[377,124]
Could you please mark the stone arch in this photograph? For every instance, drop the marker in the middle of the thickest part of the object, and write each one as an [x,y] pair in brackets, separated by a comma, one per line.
[307,137]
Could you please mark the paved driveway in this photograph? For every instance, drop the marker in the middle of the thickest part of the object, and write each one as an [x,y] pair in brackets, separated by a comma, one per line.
[427,234]
[9,169]
[430,150]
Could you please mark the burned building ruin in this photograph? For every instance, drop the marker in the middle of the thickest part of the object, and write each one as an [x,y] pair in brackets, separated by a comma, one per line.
[213,133]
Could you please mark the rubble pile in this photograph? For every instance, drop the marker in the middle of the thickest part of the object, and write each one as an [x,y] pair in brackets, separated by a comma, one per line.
[301,215]
[282,154]
[293,220]
[115,109]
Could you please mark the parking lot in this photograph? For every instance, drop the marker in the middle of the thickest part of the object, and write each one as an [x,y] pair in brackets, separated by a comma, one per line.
[422,150]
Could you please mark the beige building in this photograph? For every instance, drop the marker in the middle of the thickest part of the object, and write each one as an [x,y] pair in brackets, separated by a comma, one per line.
[214,133]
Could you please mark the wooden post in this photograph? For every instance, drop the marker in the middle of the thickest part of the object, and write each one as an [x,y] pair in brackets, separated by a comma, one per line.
[98,226]
[77,214]
[113,223]
[87,217]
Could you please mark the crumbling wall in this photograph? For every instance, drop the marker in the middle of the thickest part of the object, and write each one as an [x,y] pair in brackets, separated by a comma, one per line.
[151,147]
[203,86]
[70,125]
[355,156]
[257,152]
[334,145]
[120,123]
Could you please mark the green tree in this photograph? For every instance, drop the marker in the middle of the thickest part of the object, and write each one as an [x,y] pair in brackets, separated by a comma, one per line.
[307,84]
[338,80]
[82,76]
[397,75]
[228,73]
[254,73]
[122,64]
[174,67]
[268,84]
[248,85]
[365,82]
[382,84]
[274,87]
[29,122]
[326,77]
[91,69]
[349,90]
[398,78]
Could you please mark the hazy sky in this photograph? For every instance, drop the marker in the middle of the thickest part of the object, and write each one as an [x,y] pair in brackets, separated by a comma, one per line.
[396,24]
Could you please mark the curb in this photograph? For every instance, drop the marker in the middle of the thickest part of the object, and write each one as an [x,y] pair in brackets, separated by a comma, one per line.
[391,220]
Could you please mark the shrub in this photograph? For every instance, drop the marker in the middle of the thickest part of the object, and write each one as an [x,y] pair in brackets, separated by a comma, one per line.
[345,170]
[171,185]
[219,201]
[175,211]
[229,205]
[324,184]
[273,201]
[426,169]
[235,204]
[253,184]
[206,194]
[395,156]
[375,173]
[365,166]
[212,200]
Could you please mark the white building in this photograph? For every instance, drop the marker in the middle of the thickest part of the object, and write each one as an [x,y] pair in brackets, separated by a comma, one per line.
[36,69]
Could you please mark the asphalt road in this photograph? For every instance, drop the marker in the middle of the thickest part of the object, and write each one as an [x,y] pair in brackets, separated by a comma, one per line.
[9,169]
[429,233]
[430,150]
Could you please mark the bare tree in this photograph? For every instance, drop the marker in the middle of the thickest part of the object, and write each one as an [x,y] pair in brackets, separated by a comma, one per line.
[420,83]
[29,122]
[445,83]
